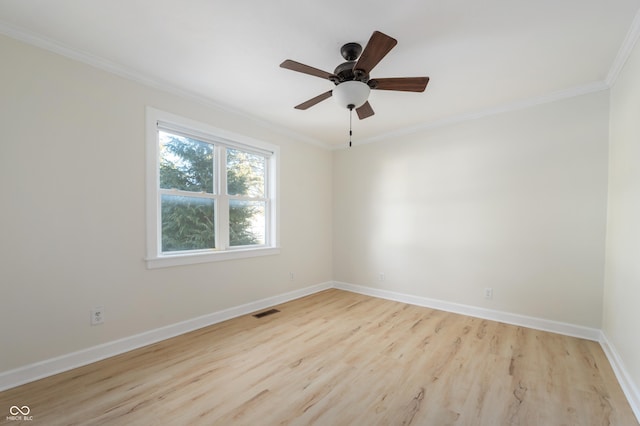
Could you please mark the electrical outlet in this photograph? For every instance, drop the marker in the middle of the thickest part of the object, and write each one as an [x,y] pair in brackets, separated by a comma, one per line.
[97,315]
[381,276]
[488,293]
[292,276]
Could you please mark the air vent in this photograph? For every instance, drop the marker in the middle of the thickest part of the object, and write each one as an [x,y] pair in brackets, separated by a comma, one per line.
[265,313]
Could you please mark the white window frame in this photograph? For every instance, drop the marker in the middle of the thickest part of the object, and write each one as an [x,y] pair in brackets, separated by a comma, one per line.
[221,139]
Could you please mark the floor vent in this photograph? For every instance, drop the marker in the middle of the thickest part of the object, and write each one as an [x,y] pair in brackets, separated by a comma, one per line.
[265,313]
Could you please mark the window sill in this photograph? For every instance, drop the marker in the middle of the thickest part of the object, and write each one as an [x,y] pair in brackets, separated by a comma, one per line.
[213,256]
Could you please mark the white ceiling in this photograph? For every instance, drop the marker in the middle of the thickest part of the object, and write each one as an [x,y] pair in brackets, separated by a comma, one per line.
[480,56]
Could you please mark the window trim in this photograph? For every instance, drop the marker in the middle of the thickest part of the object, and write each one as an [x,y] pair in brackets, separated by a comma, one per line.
[154,257]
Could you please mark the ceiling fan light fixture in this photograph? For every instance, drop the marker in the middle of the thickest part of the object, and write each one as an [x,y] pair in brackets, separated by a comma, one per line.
[351,94]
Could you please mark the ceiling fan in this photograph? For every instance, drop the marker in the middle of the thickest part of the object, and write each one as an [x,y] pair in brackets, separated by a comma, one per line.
[352,80]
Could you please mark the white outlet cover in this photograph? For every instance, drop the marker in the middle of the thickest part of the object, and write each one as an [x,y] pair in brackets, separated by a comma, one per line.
[97,316]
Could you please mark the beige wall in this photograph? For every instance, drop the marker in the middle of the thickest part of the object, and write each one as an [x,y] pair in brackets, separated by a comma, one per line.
[72,221]
[515,202]
[621,317]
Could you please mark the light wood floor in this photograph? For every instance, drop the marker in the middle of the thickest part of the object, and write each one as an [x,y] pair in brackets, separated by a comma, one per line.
[338,358]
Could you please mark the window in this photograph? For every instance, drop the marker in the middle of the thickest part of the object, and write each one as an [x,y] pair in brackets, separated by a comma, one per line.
[210,193]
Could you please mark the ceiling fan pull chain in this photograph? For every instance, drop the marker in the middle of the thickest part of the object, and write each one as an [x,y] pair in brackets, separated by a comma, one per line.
[350,124]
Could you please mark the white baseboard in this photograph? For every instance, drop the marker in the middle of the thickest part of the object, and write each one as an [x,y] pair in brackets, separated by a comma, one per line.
[628,387]
[49,367]
[473,311]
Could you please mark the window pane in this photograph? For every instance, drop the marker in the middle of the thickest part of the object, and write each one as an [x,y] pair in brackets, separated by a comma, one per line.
[185,163]
[246,222]
[187,223]
[245,173]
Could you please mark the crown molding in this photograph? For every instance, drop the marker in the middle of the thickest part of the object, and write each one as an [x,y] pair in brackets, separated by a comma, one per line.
[87,58]
[585,89]
[625,51]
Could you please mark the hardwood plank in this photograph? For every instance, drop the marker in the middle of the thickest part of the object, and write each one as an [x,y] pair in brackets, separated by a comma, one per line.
[338,358]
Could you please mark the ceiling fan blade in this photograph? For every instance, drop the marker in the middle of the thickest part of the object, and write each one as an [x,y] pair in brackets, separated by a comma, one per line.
[365,111]
[311,102]
[378,46]
[404,84]
[305,69]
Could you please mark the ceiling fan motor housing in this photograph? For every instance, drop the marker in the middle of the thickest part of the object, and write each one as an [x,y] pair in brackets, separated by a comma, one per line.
[345,72]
